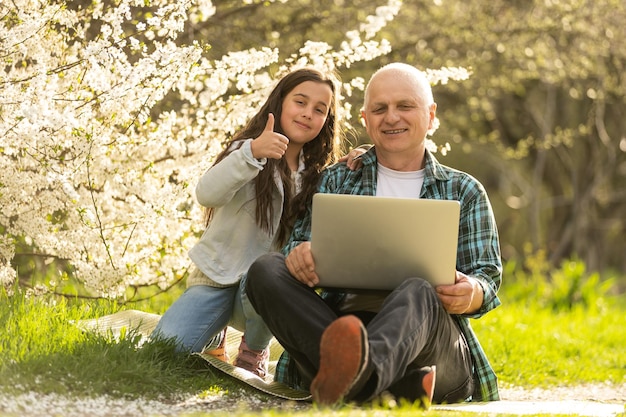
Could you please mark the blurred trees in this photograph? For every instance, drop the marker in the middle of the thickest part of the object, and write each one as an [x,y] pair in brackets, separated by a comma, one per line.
[109,113]
[541,122]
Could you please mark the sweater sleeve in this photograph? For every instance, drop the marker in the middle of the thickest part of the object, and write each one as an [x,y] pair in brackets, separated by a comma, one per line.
[218,184]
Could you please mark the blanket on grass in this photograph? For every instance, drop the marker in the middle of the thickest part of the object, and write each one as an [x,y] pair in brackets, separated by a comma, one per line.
[142,323]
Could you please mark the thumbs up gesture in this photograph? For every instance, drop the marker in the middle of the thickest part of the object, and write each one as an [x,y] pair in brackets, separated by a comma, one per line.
[269,144]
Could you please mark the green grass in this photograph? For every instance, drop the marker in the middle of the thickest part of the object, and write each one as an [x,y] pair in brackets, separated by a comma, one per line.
[532,347]
[43,350]
[535,339]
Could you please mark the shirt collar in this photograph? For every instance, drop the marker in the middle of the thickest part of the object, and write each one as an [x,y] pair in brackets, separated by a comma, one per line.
[433,169]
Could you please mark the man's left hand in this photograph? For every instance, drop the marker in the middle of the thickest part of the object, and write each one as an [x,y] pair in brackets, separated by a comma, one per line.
[465,296]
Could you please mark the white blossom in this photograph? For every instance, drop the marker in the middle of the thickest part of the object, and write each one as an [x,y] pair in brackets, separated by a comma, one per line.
[384,14]
[444,74]
[90,172]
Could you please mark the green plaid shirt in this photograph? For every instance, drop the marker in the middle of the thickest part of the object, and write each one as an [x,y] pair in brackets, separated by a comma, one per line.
[478,253]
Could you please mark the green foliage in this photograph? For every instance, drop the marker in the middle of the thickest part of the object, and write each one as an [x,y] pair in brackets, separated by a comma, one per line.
[540,122]
[568,287]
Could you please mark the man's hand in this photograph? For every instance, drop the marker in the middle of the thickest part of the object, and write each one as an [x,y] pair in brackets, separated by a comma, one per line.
[301,265]
[269,144]
[465,296]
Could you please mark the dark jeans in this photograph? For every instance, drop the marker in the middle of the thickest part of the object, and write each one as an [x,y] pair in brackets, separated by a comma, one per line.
[411,330]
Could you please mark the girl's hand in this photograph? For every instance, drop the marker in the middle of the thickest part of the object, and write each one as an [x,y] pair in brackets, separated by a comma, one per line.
[352,158]
[269,144]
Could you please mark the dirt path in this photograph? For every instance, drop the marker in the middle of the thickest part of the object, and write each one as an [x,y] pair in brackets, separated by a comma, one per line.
[590,392]
[27,405]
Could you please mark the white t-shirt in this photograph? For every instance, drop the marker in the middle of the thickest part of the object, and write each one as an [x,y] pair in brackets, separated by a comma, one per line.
[406,184]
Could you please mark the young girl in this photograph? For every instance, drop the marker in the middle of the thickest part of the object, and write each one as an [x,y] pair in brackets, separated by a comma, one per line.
[257,186]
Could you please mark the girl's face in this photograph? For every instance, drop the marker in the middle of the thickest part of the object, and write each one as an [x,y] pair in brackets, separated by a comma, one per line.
[304,111]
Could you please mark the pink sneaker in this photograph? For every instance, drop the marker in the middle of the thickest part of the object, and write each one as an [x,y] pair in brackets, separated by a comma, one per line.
[220,351]
[255,361]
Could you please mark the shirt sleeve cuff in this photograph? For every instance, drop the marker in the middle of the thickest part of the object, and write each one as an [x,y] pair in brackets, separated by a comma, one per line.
[247,153]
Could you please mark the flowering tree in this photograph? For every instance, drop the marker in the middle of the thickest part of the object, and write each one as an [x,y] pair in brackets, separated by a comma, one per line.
[95,168]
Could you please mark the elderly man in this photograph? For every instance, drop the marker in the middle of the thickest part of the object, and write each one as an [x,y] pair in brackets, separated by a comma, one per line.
[415,341]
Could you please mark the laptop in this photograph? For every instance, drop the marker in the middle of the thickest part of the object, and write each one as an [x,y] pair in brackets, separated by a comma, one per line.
[375,243]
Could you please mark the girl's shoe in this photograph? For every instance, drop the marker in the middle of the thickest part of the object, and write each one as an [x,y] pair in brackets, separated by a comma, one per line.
[255,361]
[220,351]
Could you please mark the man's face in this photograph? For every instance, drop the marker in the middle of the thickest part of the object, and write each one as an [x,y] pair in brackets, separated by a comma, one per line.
[396,115]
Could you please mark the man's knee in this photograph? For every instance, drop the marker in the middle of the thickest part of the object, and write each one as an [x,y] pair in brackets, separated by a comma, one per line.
[264,264]
[418,286]
[417,291]
[263,270]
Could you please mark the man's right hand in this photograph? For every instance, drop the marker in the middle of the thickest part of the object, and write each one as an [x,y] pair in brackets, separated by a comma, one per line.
[301,265]
[269,144]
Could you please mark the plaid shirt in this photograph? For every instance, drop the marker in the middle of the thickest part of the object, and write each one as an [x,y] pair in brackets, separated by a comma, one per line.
[478,253]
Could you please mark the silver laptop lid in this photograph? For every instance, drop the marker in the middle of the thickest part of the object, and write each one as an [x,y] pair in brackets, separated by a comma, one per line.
[367,242]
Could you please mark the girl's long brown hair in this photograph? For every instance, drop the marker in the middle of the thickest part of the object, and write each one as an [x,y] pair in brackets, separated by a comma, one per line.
[318,153]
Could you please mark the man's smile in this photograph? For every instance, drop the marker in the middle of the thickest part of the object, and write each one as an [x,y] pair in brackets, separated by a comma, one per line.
[394,131]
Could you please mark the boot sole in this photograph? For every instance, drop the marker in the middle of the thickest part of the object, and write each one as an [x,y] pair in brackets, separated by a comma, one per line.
[343,353]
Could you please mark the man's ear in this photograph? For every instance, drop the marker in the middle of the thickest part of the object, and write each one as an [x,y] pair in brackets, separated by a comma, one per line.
[432,112]
[363,119]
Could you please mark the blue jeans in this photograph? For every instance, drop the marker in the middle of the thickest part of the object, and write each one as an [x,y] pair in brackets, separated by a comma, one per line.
[198,316]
